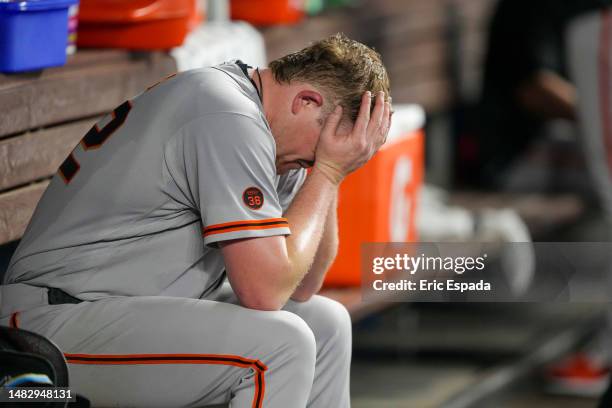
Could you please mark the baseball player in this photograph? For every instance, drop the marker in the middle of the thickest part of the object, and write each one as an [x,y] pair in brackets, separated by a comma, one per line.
[199,178]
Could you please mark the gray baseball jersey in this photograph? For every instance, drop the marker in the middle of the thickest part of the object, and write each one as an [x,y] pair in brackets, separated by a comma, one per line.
[138,206]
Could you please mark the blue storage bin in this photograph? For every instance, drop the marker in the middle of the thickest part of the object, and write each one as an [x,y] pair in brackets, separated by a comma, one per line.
[33,34]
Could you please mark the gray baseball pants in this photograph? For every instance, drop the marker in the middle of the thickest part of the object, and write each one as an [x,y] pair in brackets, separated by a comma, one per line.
[174,352]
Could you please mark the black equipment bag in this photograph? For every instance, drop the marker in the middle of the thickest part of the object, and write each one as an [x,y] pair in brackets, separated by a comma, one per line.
[23,352]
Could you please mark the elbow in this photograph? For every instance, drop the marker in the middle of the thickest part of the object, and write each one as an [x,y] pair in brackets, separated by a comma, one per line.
[263,294]
[303,294]
[262,305]
[262,302]
[301,297]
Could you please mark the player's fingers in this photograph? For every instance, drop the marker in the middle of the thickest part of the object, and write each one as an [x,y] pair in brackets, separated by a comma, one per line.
[382,133]
[361,123]
[377,114]
[390,123]
[333,121]
[384,127]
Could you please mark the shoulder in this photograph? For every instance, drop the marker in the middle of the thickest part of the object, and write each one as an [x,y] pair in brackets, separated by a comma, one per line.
[221,90]
[226,136]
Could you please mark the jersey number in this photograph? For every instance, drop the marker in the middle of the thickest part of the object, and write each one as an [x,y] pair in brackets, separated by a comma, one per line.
[94,139]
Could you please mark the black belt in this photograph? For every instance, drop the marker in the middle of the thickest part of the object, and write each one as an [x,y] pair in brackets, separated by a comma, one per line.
[59,297]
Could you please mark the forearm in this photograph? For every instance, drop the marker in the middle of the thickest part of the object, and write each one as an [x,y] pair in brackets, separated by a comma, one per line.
[325,255]
[307,216]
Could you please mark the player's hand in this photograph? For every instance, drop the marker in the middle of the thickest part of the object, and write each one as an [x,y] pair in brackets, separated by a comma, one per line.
[340,152]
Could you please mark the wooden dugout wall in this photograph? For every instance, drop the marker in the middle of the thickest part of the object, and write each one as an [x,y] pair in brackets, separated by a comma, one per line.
[44,115]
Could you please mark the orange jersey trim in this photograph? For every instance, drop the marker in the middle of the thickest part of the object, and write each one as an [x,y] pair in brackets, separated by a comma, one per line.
[221,359]
[246,225]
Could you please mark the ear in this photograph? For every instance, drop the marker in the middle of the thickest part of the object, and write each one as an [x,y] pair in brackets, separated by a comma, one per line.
[305,99]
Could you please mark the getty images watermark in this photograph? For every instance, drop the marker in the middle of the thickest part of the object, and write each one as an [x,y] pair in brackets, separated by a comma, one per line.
[422,263]
[434,272]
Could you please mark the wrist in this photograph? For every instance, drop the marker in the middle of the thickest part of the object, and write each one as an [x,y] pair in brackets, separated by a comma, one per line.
[331,173]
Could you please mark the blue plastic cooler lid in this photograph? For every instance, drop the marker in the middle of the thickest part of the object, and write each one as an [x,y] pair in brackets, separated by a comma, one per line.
[38,5]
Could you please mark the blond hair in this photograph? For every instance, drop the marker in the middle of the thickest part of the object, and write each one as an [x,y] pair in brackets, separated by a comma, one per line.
[341,68]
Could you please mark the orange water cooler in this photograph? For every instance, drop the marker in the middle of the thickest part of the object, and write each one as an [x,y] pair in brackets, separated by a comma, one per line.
[378,202]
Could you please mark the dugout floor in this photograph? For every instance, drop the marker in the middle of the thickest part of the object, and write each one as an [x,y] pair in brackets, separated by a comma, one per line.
[428,355]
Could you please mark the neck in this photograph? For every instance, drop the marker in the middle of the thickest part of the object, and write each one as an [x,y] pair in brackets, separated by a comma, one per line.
[265,88]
